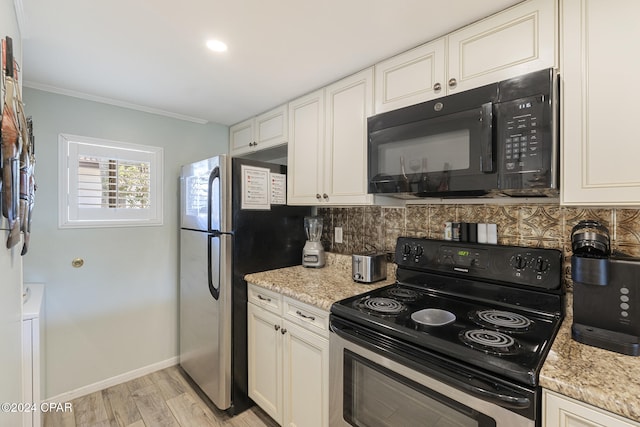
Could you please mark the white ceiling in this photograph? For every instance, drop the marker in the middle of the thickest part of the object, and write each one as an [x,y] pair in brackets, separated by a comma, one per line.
[151,54]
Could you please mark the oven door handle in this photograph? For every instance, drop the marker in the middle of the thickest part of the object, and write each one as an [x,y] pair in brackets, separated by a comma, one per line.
[504,400]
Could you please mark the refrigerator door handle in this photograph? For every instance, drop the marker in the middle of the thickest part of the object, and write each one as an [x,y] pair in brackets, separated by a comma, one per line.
[215,291]
[215,174]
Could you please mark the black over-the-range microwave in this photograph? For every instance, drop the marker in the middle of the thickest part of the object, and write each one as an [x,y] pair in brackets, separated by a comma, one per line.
[495,140]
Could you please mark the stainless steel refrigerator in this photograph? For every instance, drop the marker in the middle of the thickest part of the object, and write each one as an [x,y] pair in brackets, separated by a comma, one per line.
[222,238]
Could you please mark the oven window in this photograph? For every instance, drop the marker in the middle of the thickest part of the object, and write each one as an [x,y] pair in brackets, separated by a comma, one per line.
[375,396]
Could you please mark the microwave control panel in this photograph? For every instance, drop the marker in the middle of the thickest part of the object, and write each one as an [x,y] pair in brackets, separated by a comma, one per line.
[521,134]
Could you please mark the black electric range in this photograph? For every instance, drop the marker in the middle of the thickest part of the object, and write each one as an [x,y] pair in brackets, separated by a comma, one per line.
[493,307]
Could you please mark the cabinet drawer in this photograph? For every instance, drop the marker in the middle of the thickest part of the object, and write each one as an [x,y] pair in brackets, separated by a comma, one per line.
[307,316]
[265,298]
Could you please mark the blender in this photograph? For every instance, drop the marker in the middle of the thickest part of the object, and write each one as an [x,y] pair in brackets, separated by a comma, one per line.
[313,252]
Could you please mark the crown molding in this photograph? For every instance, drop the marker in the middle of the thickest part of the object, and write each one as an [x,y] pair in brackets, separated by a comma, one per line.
[110,101]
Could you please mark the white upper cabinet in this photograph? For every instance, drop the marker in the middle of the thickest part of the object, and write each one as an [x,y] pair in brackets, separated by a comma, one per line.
[348,103]
[411,77]
[516,41]
[599,111]
[510,43]
[305,150]
[327,152]
[267,130]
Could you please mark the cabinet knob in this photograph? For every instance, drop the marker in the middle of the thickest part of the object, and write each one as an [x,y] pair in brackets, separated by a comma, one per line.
[437,87]
[325,196]
[283,331]
[318,196]
[453,83]
[276,327]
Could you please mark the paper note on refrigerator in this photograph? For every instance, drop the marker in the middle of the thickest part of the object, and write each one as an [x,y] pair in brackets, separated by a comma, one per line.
[278,189]
[256,188]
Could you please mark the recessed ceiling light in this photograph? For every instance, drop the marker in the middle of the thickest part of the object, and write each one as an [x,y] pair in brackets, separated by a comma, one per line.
[216,46]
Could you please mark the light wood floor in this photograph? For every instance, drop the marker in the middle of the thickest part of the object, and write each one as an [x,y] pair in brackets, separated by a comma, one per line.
[162,399]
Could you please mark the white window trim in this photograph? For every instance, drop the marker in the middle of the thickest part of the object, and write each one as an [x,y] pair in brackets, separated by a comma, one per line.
[152,217]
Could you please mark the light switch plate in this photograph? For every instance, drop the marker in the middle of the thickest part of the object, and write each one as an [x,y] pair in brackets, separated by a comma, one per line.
[337,234]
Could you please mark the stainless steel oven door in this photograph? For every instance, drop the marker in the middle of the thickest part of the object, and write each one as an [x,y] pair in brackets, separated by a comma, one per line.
[368,389]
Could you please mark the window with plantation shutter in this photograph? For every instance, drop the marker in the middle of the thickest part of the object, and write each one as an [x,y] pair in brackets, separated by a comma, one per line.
[108,183]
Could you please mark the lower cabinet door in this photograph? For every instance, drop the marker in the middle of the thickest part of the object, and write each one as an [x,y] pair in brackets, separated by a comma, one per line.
[562,411]
[306,377]
[265,360]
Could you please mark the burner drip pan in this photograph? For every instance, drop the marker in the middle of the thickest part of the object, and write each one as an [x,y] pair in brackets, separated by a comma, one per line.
[433,317]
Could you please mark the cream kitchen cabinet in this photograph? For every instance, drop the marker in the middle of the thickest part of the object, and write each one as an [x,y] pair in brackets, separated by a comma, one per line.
[288,357]
[327,150]
[563,411]
[516,41]
[600,147]
[268,130]
[411,77]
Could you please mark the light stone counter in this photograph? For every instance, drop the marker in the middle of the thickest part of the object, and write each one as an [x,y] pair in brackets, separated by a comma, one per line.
[602,378]
[320,287]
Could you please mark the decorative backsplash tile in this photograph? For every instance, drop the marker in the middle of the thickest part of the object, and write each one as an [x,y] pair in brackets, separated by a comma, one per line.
[548,226]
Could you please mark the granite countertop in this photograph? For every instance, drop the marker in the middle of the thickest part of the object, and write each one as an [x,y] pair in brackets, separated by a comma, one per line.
[320,287]
[602,378]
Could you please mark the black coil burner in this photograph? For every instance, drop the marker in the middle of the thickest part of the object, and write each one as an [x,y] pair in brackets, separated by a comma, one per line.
[490,341]
[501,320]
[403,294]
[381,306]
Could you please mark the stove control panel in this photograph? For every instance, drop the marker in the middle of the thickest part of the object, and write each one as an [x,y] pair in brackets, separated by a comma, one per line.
[513,264]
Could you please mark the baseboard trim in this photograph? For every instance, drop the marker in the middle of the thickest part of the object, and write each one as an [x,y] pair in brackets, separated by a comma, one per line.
[109,382]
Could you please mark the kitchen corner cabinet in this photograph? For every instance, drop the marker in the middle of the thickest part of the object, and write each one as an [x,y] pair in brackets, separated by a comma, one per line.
[327,150]
[288,358]
[563,411]
[600,150]
[516,41]
[268,130]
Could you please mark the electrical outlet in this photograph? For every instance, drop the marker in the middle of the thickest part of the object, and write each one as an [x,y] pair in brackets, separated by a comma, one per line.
[337,235]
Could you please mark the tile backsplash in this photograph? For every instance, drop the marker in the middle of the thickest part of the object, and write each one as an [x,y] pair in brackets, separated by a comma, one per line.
[547,226]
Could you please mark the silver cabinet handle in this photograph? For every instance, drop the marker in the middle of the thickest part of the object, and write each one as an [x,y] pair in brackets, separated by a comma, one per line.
[276,327]
[318,196]
[325,196]
[453,83]
[301,314]
[283,331]
[437,87]
[264,298]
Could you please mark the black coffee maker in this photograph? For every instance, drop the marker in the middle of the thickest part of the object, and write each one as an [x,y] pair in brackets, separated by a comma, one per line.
[606,292]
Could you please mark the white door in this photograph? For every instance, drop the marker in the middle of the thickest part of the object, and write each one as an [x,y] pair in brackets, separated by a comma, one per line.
[305,155]
[349,102]
[264,347]
[599,109]
[306,377]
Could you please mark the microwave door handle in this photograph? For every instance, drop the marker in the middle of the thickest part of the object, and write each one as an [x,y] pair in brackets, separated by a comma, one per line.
[486,138]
